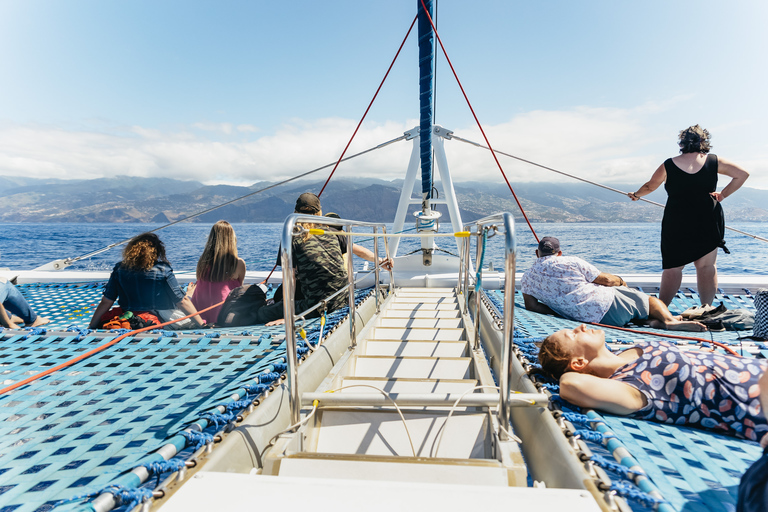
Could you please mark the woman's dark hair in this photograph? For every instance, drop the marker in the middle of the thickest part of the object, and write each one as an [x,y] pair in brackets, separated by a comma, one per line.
[694,139]
[143,251]
[554,360]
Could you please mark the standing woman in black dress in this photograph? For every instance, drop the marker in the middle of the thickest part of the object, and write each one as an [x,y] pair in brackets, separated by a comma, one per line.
[693,226]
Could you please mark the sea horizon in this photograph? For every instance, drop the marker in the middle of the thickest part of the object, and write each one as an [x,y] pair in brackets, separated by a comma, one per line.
[612,247]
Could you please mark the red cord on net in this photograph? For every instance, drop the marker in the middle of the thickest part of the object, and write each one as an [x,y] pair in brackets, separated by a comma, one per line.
[478,122]
[96,350]
[675,336]
[369,107]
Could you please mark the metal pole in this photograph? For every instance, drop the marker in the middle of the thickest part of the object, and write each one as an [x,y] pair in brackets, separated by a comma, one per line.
[376,267]
[351,278]
[288,313]
[480,271]
[387,255]
[509,323]
[467,251]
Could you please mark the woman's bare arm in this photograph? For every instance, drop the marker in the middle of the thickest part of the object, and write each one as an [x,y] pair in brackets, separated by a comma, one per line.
[655,182]
[607,395]
[737,174]
[102,308]
[240,272]
[186,306]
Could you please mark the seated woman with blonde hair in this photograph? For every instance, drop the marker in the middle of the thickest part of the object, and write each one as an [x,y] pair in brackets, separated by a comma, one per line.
[219,271]
[655,380]
[144,282]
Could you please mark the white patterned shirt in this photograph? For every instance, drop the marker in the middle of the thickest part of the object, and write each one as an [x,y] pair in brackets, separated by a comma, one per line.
[564,283]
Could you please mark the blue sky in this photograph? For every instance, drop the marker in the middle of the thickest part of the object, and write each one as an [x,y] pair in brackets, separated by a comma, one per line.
[242,91]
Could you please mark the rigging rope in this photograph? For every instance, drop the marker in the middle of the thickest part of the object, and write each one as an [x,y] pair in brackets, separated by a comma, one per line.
[69,261]
[477,144]
[493,153]
[341,158]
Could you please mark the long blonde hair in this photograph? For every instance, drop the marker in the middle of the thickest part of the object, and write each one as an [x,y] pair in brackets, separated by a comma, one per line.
[219,259]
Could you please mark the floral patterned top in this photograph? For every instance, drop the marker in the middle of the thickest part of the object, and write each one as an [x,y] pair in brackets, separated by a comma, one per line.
[564,283]
[698,389]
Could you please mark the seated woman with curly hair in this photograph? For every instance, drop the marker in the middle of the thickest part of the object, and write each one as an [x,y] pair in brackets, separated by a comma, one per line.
[655,380]
[143,282]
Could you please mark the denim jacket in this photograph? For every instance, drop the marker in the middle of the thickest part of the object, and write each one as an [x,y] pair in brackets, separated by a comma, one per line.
[144,290]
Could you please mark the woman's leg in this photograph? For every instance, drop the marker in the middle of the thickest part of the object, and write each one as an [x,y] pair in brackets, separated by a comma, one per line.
[706,277]
[670,284]
[16,304]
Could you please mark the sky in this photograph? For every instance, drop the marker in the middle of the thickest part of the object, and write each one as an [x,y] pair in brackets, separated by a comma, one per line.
[237,92]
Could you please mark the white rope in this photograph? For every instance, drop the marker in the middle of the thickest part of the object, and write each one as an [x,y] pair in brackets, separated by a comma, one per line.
[407,432]
[477,144]
[69,261]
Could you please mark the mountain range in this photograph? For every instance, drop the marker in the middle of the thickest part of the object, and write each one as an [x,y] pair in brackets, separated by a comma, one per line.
[132,199]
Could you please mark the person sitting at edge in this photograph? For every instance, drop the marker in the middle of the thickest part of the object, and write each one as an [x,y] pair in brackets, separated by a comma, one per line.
[572,288]
[318,264]
[357,250]
[13,302]
[655,380]
[144,282]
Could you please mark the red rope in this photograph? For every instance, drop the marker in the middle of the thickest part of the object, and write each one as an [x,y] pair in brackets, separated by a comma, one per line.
[96,350]
[478,121]
[369,107]
[269,275]
[675,336]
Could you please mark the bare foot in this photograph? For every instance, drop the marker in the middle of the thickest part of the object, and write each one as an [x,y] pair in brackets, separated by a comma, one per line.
[16,319]
[40,321]
[685,326]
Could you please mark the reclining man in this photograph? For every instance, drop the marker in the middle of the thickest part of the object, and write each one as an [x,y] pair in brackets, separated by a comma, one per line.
[570,287]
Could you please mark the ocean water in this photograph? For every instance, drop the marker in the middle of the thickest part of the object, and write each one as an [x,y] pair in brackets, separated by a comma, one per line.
[616,248]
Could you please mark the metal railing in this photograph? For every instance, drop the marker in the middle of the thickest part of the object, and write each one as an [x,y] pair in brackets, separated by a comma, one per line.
[494,224]
[290,229]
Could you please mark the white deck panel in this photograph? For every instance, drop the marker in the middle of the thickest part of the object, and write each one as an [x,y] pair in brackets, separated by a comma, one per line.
[383,433]
[421,322]
[465,474]
[408,385]
[416,348]
[236,491]
[436,299]
[422,313]
[420,306]
[417,334]
[413,367]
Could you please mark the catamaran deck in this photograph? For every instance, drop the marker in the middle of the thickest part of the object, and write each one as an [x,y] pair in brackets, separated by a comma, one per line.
[80,429]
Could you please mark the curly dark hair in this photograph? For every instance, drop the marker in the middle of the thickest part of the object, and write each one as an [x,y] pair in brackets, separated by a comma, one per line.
[694,139]
[554,359]
[143,251]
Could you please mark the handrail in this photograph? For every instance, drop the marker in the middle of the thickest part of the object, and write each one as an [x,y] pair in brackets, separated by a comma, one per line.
[491,222]
[289,314]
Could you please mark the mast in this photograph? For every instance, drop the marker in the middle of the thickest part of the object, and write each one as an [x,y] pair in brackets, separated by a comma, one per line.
[426,218]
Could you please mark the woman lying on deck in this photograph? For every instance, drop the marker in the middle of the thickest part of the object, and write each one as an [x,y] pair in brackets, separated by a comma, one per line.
[655,380]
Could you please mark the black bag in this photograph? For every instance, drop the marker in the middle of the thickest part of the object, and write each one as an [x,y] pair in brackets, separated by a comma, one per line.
[242,306]
[753,489]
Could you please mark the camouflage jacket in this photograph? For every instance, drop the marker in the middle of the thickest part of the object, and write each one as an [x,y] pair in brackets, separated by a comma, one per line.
[320,268]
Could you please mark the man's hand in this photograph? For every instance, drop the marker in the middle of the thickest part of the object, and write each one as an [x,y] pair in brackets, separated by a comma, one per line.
[605,279]
[533,304]
[279,321]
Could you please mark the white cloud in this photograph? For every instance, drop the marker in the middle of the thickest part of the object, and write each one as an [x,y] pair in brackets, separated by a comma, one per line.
[599,144]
